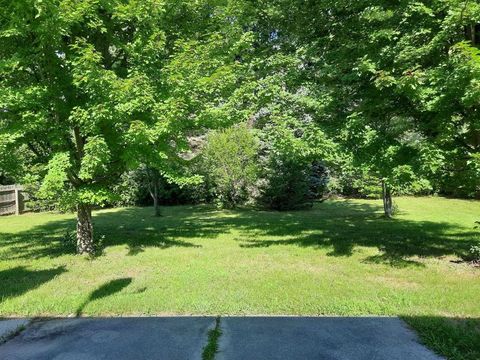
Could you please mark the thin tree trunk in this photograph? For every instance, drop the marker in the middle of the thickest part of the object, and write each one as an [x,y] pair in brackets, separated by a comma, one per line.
[153,183]
[85,243]
[154,195]
[156,206]
[389,203]
[387,200]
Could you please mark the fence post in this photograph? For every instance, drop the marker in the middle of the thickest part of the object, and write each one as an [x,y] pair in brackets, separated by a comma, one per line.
[17,201]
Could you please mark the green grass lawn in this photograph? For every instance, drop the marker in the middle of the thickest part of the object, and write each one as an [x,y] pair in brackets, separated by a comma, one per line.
[341,258]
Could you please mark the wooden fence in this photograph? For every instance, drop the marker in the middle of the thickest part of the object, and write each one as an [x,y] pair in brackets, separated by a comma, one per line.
[12,199]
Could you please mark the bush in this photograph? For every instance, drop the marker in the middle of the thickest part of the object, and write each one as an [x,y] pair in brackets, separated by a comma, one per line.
[31,185]
[368,186]
[285,185]
[288,184]
[132,190]
[347,179]
[291,177]
[406,182]
[474,253]
[229,165]
[358,181]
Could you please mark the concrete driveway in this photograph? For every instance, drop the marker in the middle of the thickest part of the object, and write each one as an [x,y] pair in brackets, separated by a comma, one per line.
[171,338]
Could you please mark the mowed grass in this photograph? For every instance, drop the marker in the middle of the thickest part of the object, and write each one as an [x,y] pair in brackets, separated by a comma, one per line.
[340,258]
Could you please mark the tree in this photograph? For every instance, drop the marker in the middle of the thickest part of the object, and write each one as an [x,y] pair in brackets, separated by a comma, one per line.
[399,80]
[86,86]
[153,182]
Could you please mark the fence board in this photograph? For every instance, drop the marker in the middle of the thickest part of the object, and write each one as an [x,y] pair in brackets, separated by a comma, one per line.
[12,199]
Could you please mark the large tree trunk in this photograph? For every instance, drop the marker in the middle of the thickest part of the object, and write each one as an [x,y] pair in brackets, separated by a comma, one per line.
[387,200]
[85,243]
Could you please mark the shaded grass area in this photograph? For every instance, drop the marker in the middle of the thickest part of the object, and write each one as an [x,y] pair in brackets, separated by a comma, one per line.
[337,226]
[340,258]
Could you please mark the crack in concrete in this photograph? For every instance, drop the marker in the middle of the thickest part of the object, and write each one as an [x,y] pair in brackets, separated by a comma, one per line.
[211,349]
[12,328]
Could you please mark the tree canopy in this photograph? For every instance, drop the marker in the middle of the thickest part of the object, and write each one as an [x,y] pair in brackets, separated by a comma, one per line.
[90,89]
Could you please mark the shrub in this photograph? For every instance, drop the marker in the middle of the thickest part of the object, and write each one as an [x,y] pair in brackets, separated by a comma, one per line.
[285,184]
[361,181]
[368,186]
[132,190]
[31,185]
[291,176]
[229,164]
[406,181]
[474,253]
[353,180]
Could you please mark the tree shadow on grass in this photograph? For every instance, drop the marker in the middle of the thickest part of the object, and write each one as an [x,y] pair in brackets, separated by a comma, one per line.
[342,226]
[19,280]
[134,227]
[338,226]
[107,289]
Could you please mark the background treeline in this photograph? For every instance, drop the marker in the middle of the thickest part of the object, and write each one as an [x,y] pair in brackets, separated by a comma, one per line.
[108,102]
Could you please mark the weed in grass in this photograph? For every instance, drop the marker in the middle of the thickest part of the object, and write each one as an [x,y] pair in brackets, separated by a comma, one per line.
[211,348]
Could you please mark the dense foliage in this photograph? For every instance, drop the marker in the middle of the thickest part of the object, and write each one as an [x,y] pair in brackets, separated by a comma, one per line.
[92,88]
[402,80]
[292,174]
[353,91]
[230,164]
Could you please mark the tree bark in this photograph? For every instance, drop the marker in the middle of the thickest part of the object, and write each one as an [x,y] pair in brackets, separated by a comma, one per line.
[471,33]
[387,200]
[156,204]
[85,243]
[154,195]
[153,183]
